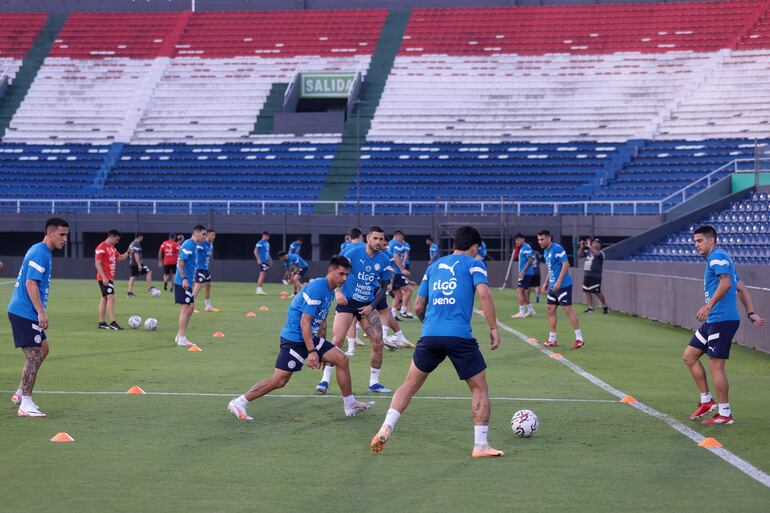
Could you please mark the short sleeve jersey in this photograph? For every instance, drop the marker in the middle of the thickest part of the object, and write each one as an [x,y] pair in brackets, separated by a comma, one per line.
[525,251]
[390,268]
[594,264]
[294,248]
[397,248]
[365,273]
[263,250]
[719,262]
[449,285]
[36,266]
[203,251]
[186,255]
[315,299]
[170,250]
[295,261]
[554,257]
[134,249]
[107,256]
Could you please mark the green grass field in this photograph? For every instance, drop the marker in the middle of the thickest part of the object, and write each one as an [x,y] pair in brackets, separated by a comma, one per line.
[185,453]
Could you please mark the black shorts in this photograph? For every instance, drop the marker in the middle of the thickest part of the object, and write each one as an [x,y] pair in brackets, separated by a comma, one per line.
[563,298]
[202,276]
[527,282]
[140,271]
[292,355]
[108,290]
[353,306]
[383,304]
[26,332]
[464,353]
[263,267]
[169,269]
[715,338]
[302,271]
[592,285]
[182,296]
[399,280]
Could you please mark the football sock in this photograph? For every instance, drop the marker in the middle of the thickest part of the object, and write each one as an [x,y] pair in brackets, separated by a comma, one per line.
[521,310]
[724,410]
[531,308]
[551,336]
[391,418]
[480,435]
[400,335]
[705,398]
[26,402]
[384,331]
[578,335]
[351,345]
[208,303]
[241,401]
[327,373]
[349,401]
[393,312]
[374,376]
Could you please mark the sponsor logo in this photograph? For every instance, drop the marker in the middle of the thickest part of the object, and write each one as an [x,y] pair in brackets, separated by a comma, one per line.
[443,301]
[447,288]
[451,268]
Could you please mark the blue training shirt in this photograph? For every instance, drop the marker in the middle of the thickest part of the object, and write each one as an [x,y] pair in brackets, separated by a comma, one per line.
[295,261]
[203,252]
[482,252]
[315,299]
[294,248]
[449,285]
[525,251]
[433,251]
[719,262]
[554,256]
[187,255]
[365,273]
[36,266]
[263,250]
[397,248]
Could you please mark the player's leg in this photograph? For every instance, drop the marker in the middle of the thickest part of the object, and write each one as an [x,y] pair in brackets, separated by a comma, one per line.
[131,280]
[102,310]
[111,308]
[33,359]
[278,380]
[351,338]
[342,323]
[589,300]
[261,281]
[551,313]
[373,329]
[185,313]
[415,378]
[332,355]
[480,413]
[570,312]
[406,301]
[691,358]
[148,278]
[388,321]
[600,296]
[521,294]
[719,377]
[719,338]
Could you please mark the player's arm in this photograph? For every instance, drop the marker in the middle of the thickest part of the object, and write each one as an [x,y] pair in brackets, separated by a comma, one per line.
[182,272]
[724,285]
[400,264]
[33,290]
[135,256]
[340,297]
[306,324]
[379,296]
[99,269]
[748,304]
[562,275]
[322,329]
[488,307]
[160,256]
[420,305]
[256,255]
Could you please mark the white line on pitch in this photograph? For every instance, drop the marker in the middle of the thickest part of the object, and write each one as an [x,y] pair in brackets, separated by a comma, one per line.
[305,396]
[734,460]
[7,282]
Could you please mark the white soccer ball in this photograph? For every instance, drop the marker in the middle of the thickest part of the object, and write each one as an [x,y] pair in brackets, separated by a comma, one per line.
[134,321]
[524,423]
[155,292]
[151,323]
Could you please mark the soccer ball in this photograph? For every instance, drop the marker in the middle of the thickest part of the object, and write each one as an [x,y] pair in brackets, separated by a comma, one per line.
[155,292]
[151,323]
[524,423]
[134,321]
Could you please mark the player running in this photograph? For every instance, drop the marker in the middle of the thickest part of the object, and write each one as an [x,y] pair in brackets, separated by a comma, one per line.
[527,264]
[27,311]
[432,250]
[302,340]
[136,265]
[183,283]
[168,253]
[106,258]
[204,250]
[357,300]
[262,254]
[559,288]
[296,266]
[445,305]
[721,320]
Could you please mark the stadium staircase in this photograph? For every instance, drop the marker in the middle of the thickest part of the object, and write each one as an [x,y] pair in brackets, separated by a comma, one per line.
[343,170]
[273,104]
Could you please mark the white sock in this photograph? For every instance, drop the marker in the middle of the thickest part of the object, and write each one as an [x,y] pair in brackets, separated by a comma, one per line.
[328,373]
[578,335]
[531,308]
[241,401]
[400,335]
[521,310]
[259,289]
[705,398]
[358,329]
[480,435]
[349,401]
[403,310]
[374,376]
[393,312]
[391,418]
[19,391]
[384,331]
[724,410]
[208,303]
[551,336]
[26,402]
[351,345]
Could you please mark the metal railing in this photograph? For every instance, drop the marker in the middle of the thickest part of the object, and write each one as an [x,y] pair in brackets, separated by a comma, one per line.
[711,179]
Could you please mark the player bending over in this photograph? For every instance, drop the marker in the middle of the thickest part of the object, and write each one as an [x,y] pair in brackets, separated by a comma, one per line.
[296,267]
[445,305]
[302,340]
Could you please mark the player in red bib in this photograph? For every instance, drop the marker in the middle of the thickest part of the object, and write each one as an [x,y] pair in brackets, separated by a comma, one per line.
[106,260]
[167,257]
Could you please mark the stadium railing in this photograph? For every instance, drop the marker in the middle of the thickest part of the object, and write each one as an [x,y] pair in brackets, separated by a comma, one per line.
[713,177]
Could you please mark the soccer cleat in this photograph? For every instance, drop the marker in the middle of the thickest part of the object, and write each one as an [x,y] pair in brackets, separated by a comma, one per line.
[33,412]
[378,388]
[130,294]
[578,344]
[529,313]
[350,354]
[115,326]
[703,409]
[403,342]
[211,309]
[16,399]
[380,439]
[550,343]
[359,342]
[322,387]
[588,310]
[719,419]
[183,342]
[238,411]
[391,342]
[104,326]
[486,451]
[407,315]
[261,292]
[357,408]
[165,285]
[285,282]
[605,310]
[196,311]
[518,316]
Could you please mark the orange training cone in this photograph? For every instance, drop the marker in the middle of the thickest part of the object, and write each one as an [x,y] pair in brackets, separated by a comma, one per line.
[251,314]
[709,442]
[629,400]
[62,437]
[556,356]
[532,339]
[193,348]
[263,309]
[219,334]
[135,390]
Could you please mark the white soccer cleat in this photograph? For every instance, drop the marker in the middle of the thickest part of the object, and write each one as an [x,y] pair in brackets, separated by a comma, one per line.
[238,411]
[357,408]
[33,412]
[16,399]
[261,292]
[285,282]
[391,342]
[530,313]
[350,354]
[403,342]
[183,342]
[519,316]
[359,342]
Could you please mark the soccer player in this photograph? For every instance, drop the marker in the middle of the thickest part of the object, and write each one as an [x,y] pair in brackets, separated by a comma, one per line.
[27,311]
[720,320]
[445,305]
[203,253]
[559,288]
[592,273]
[357,300]
[136,265]
[296,247]
[352,238]
[167,257]
[527,265]
[432,249]
[302,340]
[296,266]
[262,254]
[400,285]
[105,260]
[183,283]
